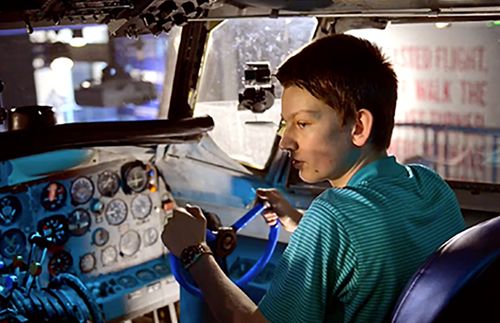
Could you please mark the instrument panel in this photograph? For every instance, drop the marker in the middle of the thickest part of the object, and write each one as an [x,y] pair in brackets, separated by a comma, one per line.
[104,223]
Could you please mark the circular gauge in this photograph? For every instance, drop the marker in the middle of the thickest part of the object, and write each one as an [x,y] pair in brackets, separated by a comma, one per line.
[130,243]
[13,243]
[116,212]
[55,227]
[108,183]
[145,275]
[127,281]
[100,237]
[53,196]
[79,222]
[141,206]
[136,178]
[10,208]
[150,236]
[87,263]
[108,256]
[61,262]
[82,190]
[162,268]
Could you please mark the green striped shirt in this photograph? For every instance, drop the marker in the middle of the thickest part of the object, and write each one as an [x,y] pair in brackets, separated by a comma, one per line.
[356,247]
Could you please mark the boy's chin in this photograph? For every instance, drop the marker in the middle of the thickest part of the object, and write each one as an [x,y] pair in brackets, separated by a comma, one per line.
[310,179]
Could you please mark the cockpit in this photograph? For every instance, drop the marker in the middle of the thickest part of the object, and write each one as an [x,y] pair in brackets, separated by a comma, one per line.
[113,113]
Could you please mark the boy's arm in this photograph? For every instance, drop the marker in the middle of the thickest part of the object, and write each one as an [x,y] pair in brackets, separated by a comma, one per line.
[226,301]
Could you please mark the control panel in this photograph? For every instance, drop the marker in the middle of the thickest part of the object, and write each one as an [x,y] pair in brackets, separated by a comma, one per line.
[104,224]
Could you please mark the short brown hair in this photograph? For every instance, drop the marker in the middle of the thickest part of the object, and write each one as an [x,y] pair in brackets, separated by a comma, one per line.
[348,74]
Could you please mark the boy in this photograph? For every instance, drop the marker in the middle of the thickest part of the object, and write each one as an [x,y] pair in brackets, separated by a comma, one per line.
[360,241]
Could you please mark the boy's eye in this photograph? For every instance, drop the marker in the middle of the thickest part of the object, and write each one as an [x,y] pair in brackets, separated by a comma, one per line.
[301,124]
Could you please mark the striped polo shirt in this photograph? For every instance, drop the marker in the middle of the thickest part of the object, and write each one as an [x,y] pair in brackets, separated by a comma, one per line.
[357,247]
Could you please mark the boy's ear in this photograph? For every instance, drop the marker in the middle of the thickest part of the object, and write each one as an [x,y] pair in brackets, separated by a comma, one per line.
[362,128]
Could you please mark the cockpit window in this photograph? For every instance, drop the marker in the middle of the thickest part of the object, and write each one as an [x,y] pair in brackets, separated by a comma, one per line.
[245,135]
[447,115]
[86,75]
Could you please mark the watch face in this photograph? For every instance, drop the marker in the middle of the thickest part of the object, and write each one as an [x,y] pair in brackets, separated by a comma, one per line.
[192,253]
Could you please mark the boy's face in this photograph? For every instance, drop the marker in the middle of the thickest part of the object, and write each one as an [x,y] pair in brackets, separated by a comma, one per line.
[321,149]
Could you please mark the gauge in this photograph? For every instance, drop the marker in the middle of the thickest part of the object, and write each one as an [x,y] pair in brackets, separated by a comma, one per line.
[136,178]
[108,256]
[53,196]
[145,275]
[13,243]
[82,190]
[150,236]
[108,183]
[100,237]
[55,227]
[127,281]
[162,268]
[61,262]
[116,212]
[10,209]
[87,263]
[141,206]
[79,222]
[130,243]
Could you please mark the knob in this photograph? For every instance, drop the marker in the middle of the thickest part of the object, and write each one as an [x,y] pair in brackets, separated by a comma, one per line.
[179,19]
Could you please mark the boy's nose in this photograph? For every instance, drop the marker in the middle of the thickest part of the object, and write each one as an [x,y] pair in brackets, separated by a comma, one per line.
[288,143]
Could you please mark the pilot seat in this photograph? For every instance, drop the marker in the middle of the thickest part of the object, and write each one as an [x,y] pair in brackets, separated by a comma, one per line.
[460,282]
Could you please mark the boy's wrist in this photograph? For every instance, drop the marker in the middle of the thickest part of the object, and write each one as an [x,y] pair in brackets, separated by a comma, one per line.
[192,254]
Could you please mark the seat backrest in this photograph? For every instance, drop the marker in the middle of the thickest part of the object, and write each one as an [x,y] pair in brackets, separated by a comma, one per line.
[460,282]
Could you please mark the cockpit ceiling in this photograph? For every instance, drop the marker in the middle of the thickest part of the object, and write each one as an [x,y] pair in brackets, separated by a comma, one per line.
[155,16]
[340,6]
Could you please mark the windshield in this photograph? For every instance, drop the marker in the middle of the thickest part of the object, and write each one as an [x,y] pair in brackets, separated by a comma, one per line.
[447,114]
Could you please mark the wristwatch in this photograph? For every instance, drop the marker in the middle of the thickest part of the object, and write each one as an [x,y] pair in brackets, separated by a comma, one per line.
[192,254]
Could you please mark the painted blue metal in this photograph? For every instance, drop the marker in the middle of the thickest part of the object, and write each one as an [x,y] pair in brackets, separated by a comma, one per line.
[29,168]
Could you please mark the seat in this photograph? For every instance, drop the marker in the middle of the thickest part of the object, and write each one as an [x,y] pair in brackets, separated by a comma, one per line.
[460,282]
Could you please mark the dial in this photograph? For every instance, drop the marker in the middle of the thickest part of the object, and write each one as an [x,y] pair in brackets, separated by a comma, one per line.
[87,263]
[150,236]
[116,212]
[13,243]
[145,275]
[127,281]
[162,268]
[10,209]
[54,227]
[130,243]
[53,196]
[100,237]
[82,190]
[61,262]
[141,206]
[79,222]
[108,256]
[136,178]
[108,183]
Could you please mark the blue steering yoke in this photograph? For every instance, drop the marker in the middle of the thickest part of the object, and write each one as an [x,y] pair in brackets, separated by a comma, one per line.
[187,282]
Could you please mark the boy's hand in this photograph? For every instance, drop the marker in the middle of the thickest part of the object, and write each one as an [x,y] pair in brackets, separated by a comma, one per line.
[186,228]
[279,209]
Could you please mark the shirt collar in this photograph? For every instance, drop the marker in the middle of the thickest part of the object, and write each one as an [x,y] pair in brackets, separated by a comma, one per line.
[384,167]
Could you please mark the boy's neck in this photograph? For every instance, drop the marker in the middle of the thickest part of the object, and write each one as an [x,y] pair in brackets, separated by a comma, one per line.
[362,161]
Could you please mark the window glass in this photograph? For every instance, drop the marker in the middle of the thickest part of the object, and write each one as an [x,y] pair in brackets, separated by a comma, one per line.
[243,134]
[448,114]
[86,75]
